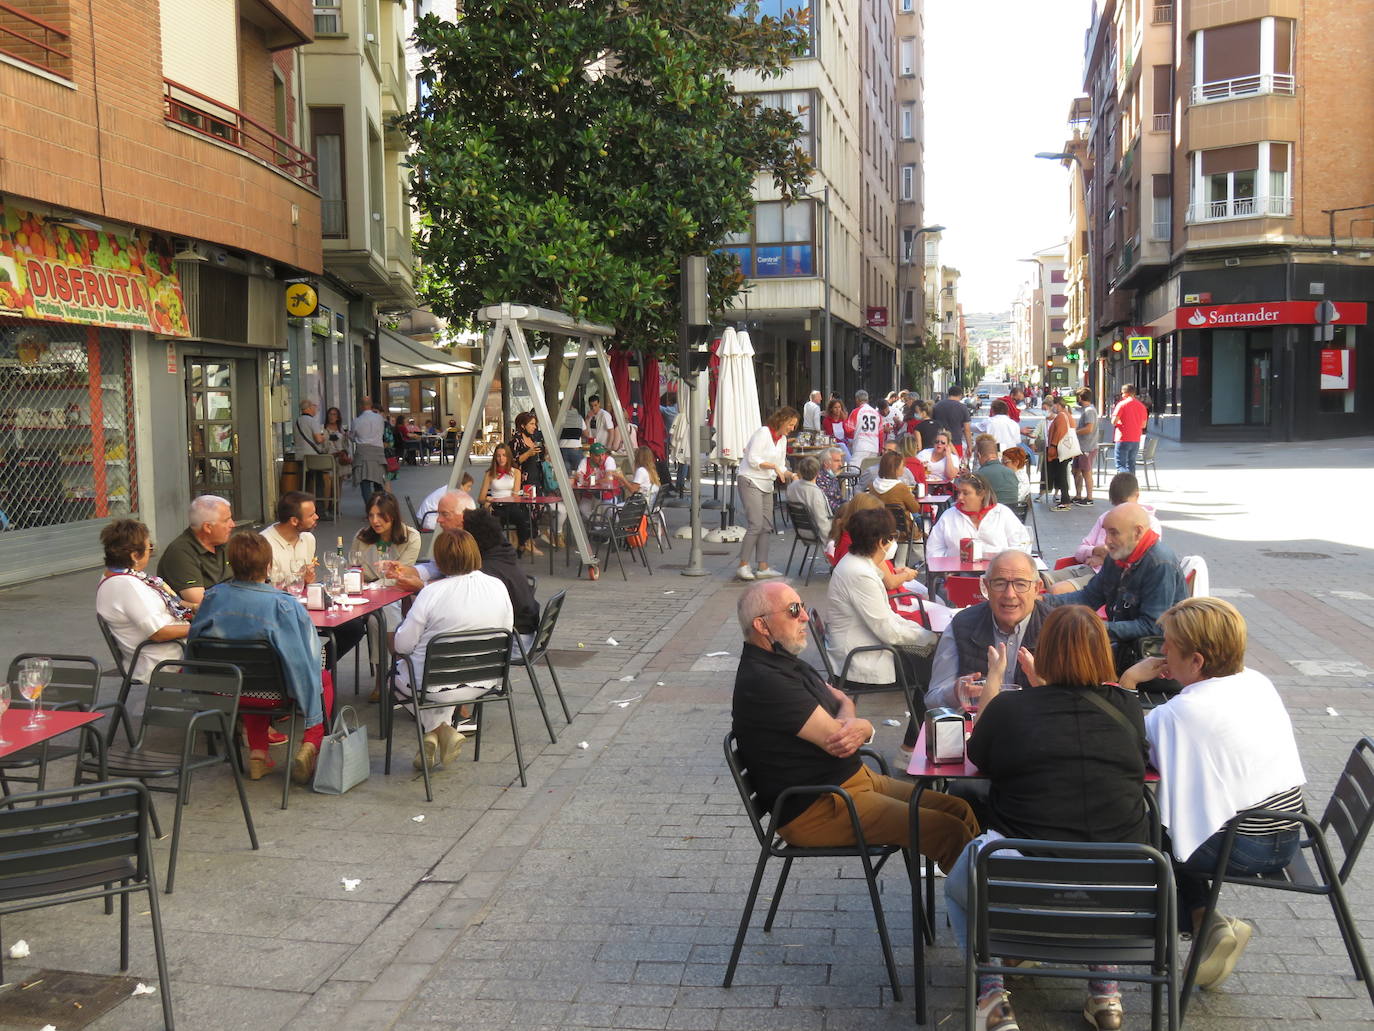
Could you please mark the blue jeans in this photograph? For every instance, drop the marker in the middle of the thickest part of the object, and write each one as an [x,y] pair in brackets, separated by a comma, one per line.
[1250,854]
[1126,451]
[956,905]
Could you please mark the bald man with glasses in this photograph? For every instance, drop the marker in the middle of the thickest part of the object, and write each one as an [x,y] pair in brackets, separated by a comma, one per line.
[1012,616]
[795,730]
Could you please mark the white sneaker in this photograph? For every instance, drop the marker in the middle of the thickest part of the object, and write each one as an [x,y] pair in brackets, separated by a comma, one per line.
[764,574]
[744,573]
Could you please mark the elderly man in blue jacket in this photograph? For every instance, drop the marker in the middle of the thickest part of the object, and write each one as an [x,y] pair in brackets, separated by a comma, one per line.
[1137,583]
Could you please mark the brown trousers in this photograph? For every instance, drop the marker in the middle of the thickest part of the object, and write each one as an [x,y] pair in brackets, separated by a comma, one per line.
[947,824]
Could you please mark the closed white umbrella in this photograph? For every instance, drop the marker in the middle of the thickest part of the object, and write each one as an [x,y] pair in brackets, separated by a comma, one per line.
[737,399]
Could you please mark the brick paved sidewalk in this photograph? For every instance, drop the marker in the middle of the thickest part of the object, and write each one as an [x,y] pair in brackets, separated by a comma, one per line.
[606,893]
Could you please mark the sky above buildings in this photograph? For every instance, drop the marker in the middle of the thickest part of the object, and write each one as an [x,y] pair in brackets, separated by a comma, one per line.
[999,77]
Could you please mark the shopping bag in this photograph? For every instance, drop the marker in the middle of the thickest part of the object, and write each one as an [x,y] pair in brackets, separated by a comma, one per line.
[343,761]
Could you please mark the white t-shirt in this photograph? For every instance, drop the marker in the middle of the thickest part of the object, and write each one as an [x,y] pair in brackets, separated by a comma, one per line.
[474,601]
[600,426]
[867,431]
[647,487]
[286,555]
[1005,430]
[135,612]
[367,429]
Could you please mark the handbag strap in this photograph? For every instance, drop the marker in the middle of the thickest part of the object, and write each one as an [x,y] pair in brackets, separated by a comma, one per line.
[340,725]
[1112,711]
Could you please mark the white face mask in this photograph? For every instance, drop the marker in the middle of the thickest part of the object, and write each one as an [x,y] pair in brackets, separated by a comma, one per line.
[891,551]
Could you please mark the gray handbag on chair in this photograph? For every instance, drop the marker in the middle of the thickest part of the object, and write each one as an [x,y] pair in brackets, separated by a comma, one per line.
[343,761]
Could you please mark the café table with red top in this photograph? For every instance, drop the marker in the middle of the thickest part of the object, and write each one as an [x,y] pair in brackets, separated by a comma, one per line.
[368,605]
[540,504]
[56,722]
[934,503]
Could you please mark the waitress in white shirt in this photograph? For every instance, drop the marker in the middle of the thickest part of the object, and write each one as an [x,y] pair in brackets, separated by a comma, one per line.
[762,465]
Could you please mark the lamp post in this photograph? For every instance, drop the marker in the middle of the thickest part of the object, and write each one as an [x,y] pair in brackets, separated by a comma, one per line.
[825,265]
[1091,335]
[908,258]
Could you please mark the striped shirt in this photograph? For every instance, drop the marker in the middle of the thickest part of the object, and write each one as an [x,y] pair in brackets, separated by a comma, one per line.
[1289,801]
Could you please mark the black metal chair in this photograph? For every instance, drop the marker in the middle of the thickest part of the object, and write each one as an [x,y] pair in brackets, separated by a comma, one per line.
[807,535]
[262,670]
[75,684]
[1070,904]
[415,518]
[187,698]
[841,679]
[81,843]
[765,824]
[1147,462]
[658,522]
[619,529]
[539,649]
[452,660]
[125,671]
[1350,814]
[907,537]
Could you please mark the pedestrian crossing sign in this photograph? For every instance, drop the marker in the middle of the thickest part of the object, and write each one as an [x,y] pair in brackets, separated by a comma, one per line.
[1141,349]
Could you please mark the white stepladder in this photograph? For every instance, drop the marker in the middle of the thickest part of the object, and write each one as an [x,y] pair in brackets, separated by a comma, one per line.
[507,336]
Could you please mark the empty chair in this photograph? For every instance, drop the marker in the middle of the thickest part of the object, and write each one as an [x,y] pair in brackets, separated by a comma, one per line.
[1147,464]
[75,684]
[539,649]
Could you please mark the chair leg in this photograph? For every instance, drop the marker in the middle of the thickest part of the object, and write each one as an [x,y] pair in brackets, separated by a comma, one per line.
[160,952]
[539,697]
[1345,920]
[124,930]
[477,713]
[808,560]
[558,688]
[920,928]
[872,879]
[176,830]
[420,743]
[787,569]
[243,800]
[744,917]
[777,895]
[291,746]
[515,736]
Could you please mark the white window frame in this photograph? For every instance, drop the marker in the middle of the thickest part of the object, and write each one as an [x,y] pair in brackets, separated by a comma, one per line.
[329,9]
[1273,196]
[908,187]
[1267,81]
[906,51]
[908,6]
[908,122]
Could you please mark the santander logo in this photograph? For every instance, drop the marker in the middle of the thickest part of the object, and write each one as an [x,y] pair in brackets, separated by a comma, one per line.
[1197,319]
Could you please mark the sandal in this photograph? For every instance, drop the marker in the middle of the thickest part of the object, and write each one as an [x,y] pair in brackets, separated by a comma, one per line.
[259,764]
[1104,1012]
[995,1014]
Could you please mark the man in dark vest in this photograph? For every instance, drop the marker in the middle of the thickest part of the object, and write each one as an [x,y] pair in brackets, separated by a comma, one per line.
[1011,616]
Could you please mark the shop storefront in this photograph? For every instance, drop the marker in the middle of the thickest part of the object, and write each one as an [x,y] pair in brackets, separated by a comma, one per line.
[74,305]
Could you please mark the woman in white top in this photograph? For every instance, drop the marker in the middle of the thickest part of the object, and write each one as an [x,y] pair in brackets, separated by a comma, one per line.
[860,613]
[384,540]
[762,465]
[502,481]
[940,460]
[976,513]
[1223,744]
[464,598]
[645,478]
[138,607]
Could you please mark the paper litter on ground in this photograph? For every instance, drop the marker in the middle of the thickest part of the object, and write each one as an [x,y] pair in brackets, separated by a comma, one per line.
[143,989]
[19,949]
[581,645]
[659,684]
[716,655]
[893,723]
[48,1027]
[418,819]
[583,745]
[626,680]
[1331,712]
[622,702]
[350,883]
[613,642]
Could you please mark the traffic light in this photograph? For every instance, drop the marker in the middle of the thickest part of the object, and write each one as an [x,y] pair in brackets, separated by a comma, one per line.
[1116,346]
[1049,363]
[1071,356]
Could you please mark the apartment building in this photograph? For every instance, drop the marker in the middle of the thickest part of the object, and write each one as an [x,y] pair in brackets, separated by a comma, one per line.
[157,200]
[833,255]
[356,81]
[911,265]
[1229,205]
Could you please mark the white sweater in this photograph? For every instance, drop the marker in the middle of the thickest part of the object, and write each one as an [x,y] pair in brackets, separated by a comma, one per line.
[1000,530]
[762,448]
[859,614]
[1220,746]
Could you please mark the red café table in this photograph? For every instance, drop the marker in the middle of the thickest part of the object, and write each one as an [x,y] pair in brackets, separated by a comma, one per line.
[55,723]
[374,601]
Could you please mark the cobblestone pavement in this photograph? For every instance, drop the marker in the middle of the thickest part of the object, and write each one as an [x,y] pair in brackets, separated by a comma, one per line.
[606,893]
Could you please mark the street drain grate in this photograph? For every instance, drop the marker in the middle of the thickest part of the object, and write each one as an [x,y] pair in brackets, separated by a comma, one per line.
[63,998]
[1224,466]
[1300,555]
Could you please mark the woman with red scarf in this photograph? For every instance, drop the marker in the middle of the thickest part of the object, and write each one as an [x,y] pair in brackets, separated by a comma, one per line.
[761,467]
[976,514]
[833,423]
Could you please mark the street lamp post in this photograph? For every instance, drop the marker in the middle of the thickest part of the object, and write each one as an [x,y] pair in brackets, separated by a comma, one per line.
[1091,335]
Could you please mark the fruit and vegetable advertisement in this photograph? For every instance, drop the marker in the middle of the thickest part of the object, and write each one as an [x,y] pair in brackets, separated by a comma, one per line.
[57,273]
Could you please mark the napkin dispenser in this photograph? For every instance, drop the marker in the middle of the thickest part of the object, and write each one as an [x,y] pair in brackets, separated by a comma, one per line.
[944,736]
[317,598]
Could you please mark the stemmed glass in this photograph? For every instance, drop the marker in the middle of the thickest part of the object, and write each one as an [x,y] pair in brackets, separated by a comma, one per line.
[33,692]
[4,706]
[41,667]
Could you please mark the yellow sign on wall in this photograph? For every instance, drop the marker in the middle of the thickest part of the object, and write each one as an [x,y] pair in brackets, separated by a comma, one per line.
[301,300]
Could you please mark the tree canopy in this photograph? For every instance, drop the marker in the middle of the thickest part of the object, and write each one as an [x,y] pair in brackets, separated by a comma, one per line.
[569,154]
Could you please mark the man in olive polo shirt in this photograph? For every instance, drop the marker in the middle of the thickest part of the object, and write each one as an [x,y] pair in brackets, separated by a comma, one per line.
[196,560]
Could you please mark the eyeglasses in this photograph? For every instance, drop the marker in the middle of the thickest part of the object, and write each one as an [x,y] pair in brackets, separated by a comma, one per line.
[1000,585]
[796,610]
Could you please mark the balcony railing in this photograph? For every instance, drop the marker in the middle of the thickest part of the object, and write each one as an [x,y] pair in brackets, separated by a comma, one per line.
[1243,86]
[1164,122]
[34,41]
[183,106]
[398,247]
[1240,207]
[1163,14]
[1159,230]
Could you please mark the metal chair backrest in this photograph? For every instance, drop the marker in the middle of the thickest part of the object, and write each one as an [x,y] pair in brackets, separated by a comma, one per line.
[628,518]
[465,656]
[1151,446]
[75,680]
[807,532]
[1350,812]
[1087,903]
[817,624]
[53,848]
[259,663]
[758,816]
[901,519]
[963,591]
[112,643]
[180,688]
[548,620]
[414,518]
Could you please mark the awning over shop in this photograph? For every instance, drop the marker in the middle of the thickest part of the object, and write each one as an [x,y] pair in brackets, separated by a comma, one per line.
[402,357]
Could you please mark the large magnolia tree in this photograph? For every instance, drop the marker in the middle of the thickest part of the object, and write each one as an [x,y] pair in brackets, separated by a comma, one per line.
[567,154]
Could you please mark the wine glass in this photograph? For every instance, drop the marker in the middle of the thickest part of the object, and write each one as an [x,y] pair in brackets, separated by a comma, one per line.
[30,689]
[42,671]
[4,706]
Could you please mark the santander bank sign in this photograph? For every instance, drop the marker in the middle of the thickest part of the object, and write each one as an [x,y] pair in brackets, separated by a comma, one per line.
[1270,313]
